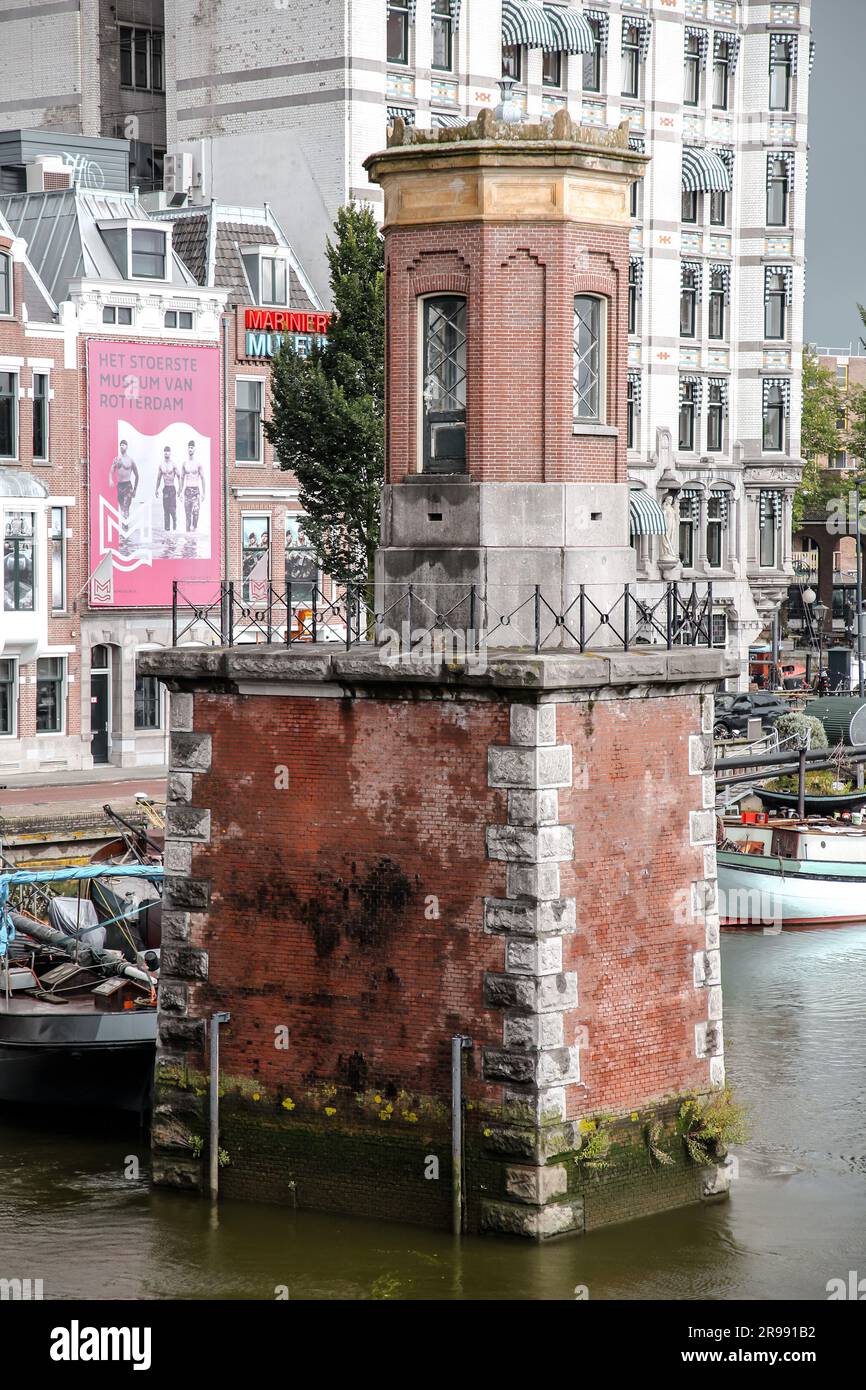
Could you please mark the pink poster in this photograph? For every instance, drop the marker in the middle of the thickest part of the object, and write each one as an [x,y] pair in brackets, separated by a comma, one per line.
[154,470]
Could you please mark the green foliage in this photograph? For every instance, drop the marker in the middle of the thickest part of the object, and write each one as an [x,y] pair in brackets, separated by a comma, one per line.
[328,409]
[595,1144]
[707,1124]
[817,783]
[797,725]
[653,1135]
[822,403]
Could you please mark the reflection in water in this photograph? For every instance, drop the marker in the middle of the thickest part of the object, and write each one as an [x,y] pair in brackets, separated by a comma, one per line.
[795,1031]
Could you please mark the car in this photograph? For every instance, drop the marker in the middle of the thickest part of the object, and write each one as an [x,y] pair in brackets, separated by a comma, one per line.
[732,719]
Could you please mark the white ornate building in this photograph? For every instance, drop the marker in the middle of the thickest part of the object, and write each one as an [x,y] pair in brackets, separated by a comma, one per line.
[284,102]
[716,92]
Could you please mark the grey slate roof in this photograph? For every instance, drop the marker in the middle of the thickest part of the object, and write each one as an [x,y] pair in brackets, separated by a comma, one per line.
[37,301]
[64,242]
[199,228]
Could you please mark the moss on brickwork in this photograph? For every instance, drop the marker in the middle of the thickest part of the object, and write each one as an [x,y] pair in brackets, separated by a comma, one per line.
[327,1148]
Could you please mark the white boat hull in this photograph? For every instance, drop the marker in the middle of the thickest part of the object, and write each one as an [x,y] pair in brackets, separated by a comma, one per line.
[768,897]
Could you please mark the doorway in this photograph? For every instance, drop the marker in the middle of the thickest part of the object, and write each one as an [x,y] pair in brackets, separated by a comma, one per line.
[100,703]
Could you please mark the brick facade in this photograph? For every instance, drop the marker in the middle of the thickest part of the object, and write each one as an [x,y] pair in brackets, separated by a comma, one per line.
[352,916]
[28,348]
[520,283]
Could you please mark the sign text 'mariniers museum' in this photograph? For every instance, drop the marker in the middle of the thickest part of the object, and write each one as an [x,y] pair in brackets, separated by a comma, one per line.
[261,331]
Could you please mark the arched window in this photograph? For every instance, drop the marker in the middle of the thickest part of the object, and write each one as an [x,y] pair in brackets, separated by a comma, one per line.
[589,359]
[444,383]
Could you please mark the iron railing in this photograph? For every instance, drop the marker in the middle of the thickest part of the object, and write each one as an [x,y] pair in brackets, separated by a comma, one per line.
[416,614]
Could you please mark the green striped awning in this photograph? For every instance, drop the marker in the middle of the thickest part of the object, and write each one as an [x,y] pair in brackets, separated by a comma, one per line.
[525,22]
[572,32]
[704,171]
[645,515]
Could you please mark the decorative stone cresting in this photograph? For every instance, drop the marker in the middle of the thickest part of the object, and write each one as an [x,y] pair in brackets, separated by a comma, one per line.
[535,993]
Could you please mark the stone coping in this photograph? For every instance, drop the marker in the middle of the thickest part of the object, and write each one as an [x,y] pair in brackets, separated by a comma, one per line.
[500,669]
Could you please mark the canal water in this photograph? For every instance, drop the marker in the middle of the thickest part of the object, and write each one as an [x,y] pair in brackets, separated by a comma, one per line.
[795,1036]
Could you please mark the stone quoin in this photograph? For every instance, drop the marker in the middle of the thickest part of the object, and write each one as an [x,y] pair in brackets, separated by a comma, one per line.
[368,860]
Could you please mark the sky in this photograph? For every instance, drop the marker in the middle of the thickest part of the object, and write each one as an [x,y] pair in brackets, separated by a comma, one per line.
[836,200]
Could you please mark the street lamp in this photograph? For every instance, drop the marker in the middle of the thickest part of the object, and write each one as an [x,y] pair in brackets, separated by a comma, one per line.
[819,613]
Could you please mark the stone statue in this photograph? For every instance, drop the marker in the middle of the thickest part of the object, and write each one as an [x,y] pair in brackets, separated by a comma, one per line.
[670,540]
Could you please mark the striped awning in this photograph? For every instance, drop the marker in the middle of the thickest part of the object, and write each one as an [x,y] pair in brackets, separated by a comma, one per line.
[770,504]
[704,171]
[787,274]
[720,384]
[722,496]
[526,22]
[733,41]
[644,26]
[406,114]
[646,517]
[703,39]
[601,19]
[634,382]
[692,275]
[726,155]
[635,273]
[720,278]
[783,383]
[637,143]
[447,119]
[572,32]
[784,49]
[697,385]
[690,504]
[788,158]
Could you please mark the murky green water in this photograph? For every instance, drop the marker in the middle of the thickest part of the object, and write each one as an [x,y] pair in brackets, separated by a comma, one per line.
[795,1034]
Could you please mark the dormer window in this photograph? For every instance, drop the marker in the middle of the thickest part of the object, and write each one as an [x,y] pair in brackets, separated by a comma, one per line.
[274,280]
[148,253]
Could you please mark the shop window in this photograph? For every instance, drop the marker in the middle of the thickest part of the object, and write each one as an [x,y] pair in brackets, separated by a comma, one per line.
[8,415]
[248,419]
[148,702]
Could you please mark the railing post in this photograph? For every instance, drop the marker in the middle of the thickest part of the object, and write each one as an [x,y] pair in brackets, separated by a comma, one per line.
[409,613]
[627,597]
[174,612]
[710,613]
[582,611]
[472,597]
[270,612]
[289,614]
[230,625]
[348,617]
[315,611]
[538,617]
[670,615]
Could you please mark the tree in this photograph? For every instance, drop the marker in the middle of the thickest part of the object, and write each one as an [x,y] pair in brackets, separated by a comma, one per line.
[328,409]
[822,403]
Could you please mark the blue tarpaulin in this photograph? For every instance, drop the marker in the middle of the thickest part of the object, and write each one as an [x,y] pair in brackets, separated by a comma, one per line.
[67,875]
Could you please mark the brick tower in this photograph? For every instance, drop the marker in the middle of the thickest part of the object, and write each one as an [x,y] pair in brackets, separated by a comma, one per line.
[372,860]
[507,286]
